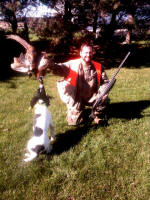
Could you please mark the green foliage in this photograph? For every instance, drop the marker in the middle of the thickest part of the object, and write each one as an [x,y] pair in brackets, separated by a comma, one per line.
[80,37]
[53,30]
[88,162]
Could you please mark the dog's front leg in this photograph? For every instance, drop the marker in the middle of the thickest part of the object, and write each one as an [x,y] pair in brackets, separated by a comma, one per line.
[32,156]
[52,132]
[49,149]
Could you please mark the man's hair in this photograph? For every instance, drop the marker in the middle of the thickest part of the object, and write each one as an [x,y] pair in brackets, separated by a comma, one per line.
[86,45]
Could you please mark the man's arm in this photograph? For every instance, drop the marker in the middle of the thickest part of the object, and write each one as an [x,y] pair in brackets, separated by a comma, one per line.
[104,80]
[104,77]
[61,69]
[48,65]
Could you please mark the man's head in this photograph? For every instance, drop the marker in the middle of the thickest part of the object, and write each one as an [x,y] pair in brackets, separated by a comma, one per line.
[86,52]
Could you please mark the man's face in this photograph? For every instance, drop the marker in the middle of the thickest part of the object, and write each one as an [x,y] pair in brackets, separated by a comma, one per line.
[86,54]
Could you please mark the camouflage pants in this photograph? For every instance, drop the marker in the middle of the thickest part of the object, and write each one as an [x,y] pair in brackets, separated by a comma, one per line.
[75,113]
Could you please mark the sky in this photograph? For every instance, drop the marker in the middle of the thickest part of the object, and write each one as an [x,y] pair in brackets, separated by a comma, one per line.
[39,11]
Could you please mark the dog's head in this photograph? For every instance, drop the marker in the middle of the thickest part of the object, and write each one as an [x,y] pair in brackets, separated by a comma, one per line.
[40,97]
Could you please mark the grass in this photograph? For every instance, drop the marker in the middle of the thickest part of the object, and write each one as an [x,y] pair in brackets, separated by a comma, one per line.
[108,162]
[141,42]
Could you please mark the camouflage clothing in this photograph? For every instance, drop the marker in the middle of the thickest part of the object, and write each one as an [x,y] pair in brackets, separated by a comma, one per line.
[84,93]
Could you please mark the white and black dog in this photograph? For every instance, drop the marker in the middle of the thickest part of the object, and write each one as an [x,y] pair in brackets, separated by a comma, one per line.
[42,121]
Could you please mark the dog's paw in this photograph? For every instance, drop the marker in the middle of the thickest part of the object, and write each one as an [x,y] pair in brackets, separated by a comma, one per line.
[26,160]
[52,138]
[27,157]
[49,149]
[26,154]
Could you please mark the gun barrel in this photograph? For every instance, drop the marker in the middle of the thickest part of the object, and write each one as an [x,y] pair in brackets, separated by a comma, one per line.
[108,86]
[104,92]
[118,69]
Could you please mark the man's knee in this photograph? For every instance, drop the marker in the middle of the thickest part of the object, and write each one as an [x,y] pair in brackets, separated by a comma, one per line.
[73,117]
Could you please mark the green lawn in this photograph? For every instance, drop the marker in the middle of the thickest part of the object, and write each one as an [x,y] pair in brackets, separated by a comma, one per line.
[108,162]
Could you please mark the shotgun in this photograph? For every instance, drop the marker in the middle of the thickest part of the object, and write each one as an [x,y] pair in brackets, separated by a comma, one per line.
[108,87]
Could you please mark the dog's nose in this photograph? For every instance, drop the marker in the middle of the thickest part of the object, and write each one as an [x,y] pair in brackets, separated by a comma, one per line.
[29,74]
[41,79]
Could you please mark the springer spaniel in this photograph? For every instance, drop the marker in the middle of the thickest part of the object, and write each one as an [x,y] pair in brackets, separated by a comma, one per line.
[40,142]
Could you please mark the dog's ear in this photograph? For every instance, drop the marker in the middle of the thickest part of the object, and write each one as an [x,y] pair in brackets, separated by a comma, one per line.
[33,101]
[48,100]
[35,98]
[42,90]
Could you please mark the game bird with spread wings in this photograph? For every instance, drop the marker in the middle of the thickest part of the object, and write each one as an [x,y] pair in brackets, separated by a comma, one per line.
[32,62]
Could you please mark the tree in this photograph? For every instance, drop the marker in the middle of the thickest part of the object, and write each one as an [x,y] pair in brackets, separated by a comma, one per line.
[61,27]
[12,9]
[124,14]
[9,14]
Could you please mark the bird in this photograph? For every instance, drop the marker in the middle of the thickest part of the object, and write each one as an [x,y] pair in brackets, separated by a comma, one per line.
[32,62]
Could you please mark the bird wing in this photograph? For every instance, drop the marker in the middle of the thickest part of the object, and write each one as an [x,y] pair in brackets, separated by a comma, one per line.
[24,63]
[20,40]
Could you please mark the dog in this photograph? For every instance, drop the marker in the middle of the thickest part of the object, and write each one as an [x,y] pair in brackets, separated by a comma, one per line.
[40,142]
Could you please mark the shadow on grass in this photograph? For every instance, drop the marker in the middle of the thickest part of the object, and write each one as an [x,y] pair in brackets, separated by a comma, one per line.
[125,110]
[71,138]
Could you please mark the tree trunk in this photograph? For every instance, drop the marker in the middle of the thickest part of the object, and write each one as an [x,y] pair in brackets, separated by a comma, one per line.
[14,24]
[95,22]
[109,29]
[25,32]
[10,17]
[128,37]
[67,11]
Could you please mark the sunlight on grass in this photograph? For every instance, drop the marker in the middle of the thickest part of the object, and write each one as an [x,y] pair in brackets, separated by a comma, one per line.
[33,37]
[88,162]
[143,42]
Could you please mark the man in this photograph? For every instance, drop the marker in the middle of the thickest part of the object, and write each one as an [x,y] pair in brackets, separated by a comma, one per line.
[83,81]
